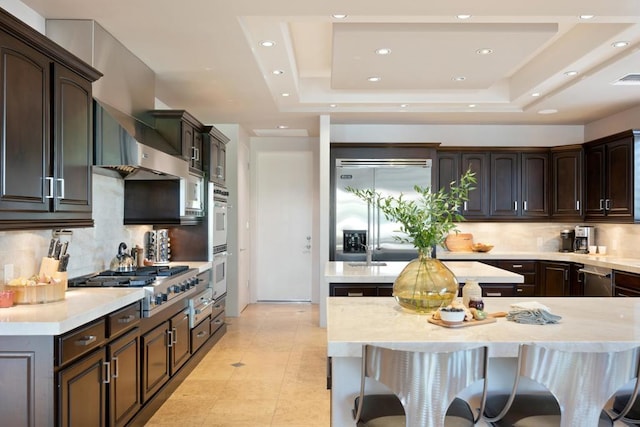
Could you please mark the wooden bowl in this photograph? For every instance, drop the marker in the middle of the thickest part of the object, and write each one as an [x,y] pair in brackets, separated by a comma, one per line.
[461,242]
[481,247]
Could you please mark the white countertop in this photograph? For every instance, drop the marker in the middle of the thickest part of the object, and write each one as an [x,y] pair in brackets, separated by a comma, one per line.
[342,272]
[631,265]
[588,323]
[80,306]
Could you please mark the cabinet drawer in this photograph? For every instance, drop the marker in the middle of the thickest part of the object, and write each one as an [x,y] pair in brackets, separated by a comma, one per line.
[626,280]
[218,308]
[354,291]
[518,266]
[81,341]
[123,319]
[216,323]
[525,291]
[385,291]
[199,335]
[497,290]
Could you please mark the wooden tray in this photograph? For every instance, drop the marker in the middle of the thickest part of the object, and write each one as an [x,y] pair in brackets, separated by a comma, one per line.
[462,324]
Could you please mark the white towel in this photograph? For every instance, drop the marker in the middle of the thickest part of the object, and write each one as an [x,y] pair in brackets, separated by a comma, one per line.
[530,305]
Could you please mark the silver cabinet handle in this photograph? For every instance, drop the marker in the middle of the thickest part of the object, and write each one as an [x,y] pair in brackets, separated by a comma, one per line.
[515,205]
[169,338]
[607,205]
[174,336]
[85,341]
[201,334]
[516,265]
[577,205]
[107,372]
[524,205]
[116,370]
[127,319]
[61,187]
[464,206]
[494,294]
[50,180]
[355,294]
[601,204]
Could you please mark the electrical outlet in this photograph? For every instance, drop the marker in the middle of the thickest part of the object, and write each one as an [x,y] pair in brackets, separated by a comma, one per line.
[8,272]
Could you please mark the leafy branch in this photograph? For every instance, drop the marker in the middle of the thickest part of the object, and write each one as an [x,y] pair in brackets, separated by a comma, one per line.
[429,219]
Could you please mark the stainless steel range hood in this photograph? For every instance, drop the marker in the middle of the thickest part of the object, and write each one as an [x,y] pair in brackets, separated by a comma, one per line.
[132,148]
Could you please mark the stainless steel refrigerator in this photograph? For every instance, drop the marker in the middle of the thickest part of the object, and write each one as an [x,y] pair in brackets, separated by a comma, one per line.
[356,224]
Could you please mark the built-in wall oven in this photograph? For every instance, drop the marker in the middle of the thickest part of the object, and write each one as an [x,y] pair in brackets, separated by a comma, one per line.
[219,272]
[219,215]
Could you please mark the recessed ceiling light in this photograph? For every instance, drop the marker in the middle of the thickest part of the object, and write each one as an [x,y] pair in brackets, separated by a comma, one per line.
[463,16]
[548,111]
[472,105]
[285,94]
[484,51]
[374,79]
[404,105]
[283,127]
[620,43]
[339,15]
[267,43]
[570,73]
[587,16]
[534,94]
[333,105]
[383,51]
[277,72]
[459,79]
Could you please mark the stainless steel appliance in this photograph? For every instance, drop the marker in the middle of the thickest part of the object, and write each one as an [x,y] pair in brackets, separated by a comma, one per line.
[597,281]
[158,246]
[567,240]
[162,284]
[199,307]
[219,272]
[585,237]
[218,213]
[357,227]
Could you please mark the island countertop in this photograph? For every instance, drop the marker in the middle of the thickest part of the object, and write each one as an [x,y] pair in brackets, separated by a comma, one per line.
[343,272]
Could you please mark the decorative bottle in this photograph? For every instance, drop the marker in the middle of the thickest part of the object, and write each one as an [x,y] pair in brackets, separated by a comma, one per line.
[471,289]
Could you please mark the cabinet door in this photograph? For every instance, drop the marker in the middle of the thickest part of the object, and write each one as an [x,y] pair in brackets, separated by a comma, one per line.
[448,169]
[196,157]
[566,184]
[73,142]
[82,392]
[155,360]
[505,171]
[24,128]
[619,179]
[214,154]
[124,390]
[594,160]
[535,185]
[555,279]
[180,348]
[478,204]
[222,163]
[187,141]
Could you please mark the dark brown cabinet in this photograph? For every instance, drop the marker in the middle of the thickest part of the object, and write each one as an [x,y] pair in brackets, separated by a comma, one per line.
[215,143]
[452,164]
[555,279]
[124,386]
[519,184]
[626,284]
[83,391]
[567,176]
[360,289]
[155,360]
[184,133]
[610,178]
[179,347]
[46,132]
[527,268]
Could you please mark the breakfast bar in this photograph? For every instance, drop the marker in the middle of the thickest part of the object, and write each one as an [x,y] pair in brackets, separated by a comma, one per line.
[587,324]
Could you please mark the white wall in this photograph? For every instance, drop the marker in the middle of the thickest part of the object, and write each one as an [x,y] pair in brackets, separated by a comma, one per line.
[625,120]
[25,14]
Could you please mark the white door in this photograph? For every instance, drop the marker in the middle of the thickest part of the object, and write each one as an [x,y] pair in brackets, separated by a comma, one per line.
[284,218]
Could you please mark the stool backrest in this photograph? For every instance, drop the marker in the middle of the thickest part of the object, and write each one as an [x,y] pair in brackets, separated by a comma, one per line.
[425,382]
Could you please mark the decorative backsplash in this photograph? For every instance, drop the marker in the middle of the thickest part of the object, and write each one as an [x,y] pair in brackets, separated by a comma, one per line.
[91,249]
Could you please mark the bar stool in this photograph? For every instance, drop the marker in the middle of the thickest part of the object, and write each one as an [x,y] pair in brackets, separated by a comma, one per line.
[425,385]
[579,386]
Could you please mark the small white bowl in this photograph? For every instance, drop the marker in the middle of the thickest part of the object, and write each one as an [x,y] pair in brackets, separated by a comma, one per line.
[452,316]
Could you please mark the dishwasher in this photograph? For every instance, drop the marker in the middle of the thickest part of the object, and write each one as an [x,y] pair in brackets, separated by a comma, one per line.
[597,281]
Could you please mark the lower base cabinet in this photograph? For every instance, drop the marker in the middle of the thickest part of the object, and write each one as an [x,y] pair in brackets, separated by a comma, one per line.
[155,360]
[124,387]
[626,284]
[360,289]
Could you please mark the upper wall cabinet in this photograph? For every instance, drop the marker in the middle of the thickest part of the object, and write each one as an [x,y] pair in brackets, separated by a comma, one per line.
[46,135]
[452,164]
[566,179]
[215,146]
[184,132]
[611,186]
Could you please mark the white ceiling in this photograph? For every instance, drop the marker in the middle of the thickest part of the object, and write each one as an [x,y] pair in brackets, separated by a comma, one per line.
[208,60]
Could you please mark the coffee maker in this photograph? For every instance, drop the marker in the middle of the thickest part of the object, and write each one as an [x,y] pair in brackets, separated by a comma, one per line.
[585,237]
[567,238]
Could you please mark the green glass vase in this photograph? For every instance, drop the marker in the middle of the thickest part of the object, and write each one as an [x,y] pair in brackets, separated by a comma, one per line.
[425,284]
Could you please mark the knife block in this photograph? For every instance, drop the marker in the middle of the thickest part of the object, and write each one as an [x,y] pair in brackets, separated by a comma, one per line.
[49,266]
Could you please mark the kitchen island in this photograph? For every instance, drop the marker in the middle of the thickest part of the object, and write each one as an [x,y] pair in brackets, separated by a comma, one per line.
[588,324]
[344,272]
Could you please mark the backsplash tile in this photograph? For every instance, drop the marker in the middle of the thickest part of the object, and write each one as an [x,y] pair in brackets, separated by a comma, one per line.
[90,249]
